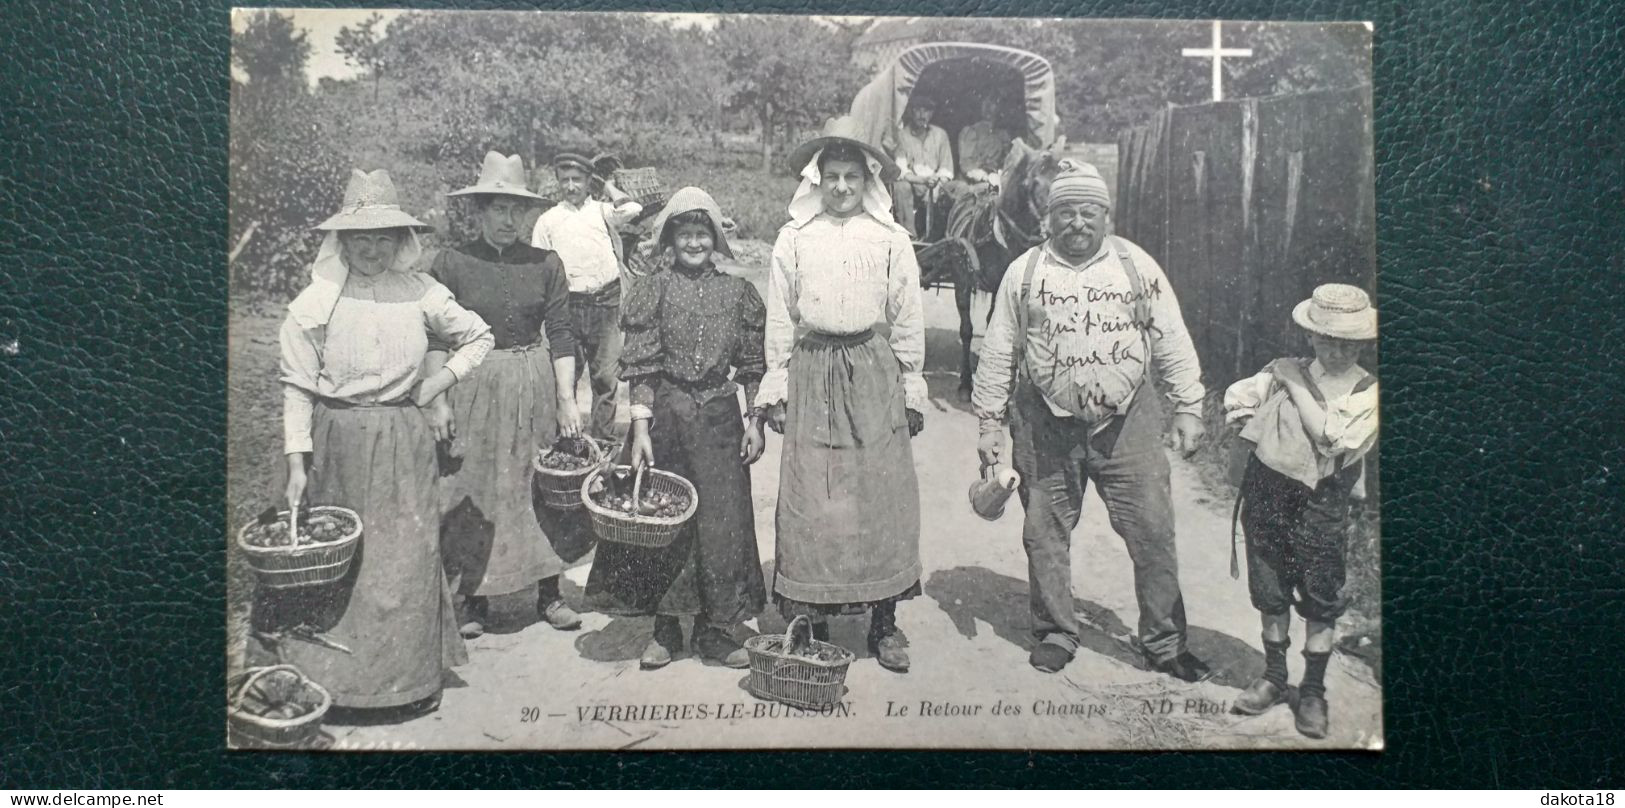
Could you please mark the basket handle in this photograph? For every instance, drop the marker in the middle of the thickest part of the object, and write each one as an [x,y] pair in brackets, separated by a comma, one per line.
[253,675]
[637,488]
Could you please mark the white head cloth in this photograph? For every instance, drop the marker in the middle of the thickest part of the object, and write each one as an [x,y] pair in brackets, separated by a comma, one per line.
[314,306]
[809,199]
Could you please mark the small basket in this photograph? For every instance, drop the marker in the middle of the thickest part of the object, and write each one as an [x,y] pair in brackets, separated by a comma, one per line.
[561,490]
[642,184]
[244,729]
[798,681]
[302,565]
[636,529]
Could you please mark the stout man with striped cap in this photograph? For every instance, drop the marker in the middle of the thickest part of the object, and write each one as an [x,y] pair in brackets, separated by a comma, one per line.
[1084,326]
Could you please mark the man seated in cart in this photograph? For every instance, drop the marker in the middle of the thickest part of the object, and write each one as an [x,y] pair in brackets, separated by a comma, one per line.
[926,162]
[983,146]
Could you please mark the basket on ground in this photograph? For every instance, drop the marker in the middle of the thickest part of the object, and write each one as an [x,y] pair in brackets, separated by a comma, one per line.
[245,729]
[291,566]
[637,529]
[561,488]
[796,669]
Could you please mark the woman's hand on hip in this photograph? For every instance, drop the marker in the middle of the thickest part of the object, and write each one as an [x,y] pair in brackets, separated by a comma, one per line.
[776,417]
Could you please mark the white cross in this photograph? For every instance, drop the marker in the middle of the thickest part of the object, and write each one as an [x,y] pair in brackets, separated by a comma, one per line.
[1216,53]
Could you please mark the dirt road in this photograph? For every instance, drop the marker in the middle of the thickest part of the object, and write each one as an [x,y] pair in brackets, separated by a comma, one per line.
[970,687]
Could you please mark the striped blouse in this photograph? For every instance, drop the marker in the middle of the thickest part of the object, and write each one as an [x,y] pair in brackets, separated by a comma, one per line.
[371,350]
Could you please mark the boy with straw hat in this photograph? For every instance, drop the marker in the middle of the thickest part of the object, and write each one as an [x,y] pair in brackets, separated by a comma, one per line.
[1310,424]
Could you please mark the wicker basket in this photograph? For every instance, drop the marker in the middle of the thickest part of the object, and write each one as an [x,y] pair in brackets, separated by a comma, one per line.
[244,729]
[796,680]
[642,184]
[306,564]
[638,530]
[561,490]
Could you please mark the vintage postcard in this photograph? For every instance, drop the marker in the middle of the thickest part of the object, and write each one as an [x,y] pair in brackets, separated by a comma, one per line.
[711,381]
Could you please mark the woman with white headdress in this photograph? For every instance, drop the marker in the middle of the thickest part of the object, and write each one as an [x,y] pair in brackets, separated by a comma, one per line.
[846,399]
[353,346]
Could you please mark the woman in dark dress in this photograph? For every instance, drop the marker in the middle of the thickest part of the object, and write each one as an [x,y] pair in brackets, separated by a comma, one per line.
[685,329]
[497,540]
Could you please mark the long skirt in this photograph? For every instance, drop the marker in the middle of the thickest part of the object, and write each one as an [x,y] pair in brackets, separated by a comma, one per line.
[393,610]
[712,568]
[498,538]
[849,501]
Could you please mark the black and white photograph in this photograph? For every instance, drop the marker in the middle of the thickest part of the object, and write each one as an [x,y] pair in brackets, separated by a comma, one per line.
[646,381]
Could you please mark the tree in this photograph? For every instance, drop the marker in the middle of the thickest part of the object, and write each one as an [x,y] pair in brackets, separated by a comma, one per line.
[786,70]
[283,171]
[361,45]
[270,51]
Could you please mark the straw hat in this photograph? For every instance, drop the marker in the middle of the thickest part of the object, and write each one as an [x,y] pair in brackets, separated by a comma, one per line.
[370,203]
[843,130]
[1338,310]
[685,200]
[500,175]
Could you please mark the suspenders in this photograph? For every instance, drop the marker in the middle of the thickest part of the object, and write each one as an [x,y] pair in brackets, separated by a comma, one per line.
[1142,305]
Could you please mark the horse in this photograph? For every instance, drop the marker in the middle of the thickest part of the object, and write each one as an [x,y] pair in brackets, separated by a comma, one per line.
[987,230]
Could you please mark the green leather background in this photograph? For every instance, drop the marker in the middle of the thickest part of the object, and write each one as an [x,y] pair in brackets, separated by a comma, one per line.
[1501,202]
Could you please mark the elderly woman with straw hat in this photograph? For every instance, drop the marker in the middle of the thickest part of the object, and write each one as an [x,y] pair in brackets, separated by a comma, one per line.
[1310,424]
[497,542]
[353,380]
[847,399]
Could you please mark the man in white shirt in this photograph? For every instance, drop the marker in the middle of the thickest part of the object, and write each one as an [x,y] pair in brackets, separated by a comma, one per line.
[924,158]
[1084,329]
[582,230]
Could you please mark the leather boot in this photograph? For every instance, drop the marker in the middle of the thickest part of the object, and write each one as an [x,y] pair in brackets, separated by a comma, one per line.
[666,642]
[715,646]
[1259,696]
[1312,717]
[886,641]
